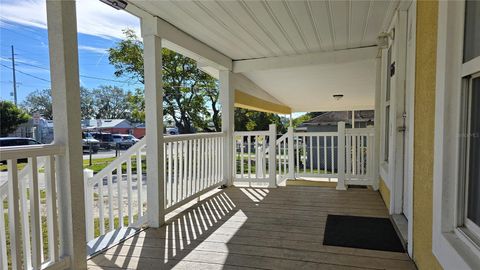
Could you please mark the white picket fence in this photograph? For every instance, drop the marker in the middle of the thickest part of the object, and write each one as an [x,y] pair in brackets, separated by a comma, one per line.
[29,203]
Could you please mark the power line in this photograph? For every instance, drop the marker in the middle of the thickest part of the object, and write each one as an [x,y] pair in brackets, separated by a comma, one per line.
[83,76]
[27,74]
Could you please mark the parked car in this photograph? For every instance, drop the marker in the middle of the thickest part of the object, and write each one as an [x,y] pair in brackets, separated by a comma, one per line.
[106,140]
[89,142]
[172,131]
[16,141]
[124,141]
[130,139]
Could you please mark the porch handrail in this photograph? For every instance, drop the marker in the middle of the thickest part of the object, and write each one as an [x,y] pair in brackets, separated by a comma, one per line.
[118,161]
[100,200]
[193,165]
[22,193]
[259,157]
[26,151]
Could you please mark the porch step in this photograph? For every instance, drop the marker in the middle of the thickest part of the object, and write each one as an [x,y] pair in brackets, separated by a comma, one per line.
[310,183]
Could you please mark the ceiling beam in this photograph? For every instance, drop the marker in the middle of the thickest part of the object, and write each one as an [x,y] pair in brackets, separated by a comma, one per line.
[321,58]
[179,41]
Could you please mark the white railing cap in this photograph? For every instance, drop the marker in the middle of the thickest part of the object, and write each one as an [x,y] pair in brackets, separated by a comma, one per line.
[185,137]
[18,152]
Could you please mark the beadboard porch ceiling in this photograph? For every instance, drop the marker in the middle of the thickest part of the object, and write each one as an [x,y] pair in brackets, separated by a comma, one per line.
[265,30]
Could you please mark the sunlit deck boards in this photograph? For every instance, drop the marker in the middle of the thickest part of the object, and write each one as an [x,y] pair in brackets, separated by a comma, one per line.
[256,228]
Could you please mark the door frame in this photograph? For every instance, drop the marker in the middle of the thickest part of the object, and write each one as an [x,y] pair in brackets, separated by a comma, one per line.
[401,156]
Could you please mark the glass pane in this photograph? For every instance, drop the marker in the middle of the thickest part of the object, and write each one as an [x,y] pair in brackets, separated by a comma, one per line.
[471,43]
[387,134]
[473,207]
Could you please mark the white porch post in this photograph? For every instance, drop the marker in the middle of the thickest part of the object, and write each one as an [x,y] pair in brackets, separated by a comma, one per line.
[227,100]
[272,156]
[62,39]
[154,121]
[341,156]
[377,121]
[291,154]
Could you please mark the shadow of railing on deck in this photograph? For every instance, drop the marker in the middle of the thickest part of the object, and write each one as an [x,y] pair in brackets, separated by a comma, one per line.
[167,246]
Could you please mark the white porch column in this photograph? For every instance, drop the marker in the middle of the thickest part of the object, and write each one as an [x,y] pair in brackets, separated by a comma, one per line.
[152,58]
[341,156]
[62,39]
[377,121]
[227,100]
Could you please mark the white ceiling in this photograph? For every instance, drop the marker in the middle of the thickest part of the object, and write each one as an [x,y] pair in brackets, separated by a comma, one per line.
[311,88]
[259,29]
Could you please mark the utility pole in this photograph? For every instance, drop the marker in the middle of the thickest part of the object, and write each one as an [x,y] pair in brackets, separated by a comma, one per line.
[14,78]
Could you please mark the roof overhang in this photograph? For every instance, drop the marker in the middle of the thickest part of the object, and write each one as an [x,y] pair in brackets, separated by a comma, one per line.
[300,53]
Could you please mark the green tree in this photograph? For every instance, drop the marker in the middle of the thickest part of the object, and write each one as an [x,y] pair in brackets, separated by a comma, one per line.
[188,90]
[11,117]
[87,103]
[39,101]
[110,102]
[248,120]
[136,104]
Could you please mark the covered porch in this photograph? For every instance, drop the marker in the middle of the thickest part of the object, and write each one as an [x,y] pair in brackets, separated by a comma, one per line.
[255,228]
[172,213]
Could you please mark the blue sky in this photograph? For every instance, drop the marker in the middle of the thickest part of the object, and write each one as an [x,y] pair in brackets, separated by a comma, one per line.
[23,25]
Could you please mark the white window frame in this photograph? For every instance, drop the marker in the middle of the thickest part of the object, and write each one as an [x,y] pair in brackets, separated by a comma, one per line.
[452,246]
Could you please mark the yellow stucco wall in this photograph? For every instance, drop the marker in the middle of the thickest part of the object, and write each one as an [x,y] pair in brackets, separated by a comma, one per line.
[426,49]
[244,100]
[384,192]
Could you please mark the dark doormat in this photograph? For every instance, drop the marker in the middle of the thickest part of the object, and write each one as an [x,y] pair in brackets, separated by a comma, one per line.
[361,232]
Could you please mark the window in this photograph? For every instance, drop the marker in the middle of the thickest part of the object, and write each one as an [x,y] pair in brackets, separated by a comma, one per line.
[456,189]
[473,156]
[470,169]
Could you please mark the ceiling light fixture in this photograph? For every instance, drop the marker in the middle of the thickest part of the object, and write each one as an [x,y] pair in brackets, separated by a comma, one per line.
[116,4]
[337,96]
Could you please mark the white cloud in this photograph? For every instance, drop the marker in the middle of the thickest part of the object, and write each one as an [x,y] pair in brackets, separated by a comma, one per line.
[92,49]
[93,17]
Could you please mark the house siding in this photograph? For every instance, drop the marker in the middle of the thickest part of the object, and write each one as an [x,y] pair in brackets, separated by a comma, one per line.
[426,48]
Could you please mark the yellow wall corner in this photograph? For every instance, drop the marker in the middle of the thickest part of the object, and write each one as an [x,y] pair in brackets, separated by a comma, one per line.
[425,79]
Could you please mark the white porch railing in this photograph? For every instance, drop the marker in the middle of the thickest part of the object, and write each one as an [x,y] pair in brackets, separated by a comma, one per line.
[115,199]
[193,166]
[116,196]
[359,156]
[254,157]
[29,218]
[345,156]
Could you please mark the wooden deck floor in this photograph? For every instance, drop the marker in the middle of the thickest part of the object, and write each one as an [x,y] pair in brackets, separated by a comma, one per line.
[239,228]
